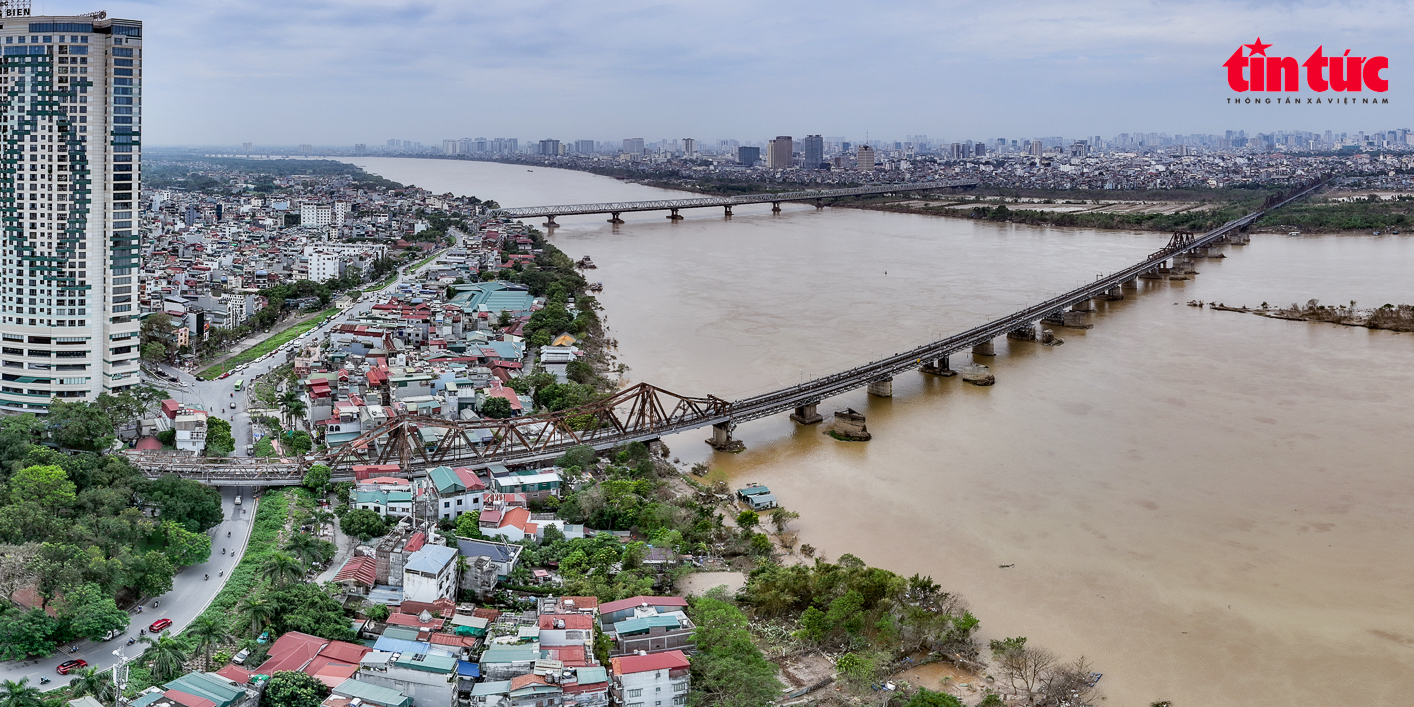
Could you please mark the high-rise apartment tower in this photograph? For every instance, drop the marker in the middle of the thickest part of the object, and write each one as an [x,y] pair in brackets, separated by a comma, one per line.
[71,126]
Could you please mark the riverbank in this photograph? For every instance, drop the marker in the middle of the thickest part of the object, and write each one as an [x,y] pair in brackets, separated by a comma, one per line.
[1389,317]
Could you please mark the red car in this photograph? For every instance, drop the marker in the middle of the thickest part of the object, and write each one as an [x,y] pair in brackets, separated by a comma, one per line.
[69,666]
[159,624]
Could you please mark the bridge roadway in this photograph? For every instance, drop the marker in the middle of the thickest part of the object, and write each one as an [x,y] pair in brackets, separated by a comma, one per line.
[615,208]
[555,437]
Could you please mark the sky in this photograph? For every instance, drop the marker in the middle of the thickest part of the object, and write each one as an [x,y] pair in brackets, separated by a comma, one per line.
[338,73]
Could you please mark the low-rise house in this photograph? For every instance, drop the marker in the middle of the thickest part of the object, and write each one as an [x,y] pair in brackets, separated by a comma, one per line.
[536,485]
[367,693]
[198,690]
[430,574]
[392,504]
[654,680]
[459,491]
[428,678]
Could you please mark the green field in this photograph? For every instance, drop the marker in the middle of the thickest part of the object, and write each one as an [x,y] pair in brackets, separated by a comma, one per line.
[267,345]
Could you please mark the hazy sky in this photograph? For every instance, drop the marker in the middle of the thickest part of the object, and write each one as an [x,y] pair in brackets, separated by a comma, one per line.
[336,73]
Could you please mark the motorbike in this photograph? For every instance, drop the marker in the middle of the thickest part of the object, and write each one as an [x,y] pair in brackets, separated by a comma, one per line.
[223,551]
[44,681]
[73,649]
[228,533]
[154,603]
[132,641]
[142,632]
[206,576]
[139,609]
[220,573]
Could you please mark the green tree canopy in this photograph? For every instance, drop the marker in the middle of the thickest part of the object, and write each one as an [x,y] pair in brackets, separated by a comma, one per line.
[309,609]
[928,698]
[183,547]
[497,408]
[196,507]
[363,524]
[92,613]
[289,688]
[219,441]
[79,426]
[468,525]
[47,486]
[317,479]
[728,669]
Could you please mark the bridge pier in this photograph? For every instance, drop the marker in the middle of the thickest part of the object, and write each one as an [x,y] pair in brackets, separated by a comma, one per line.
[819,204]
[984,349]
[675,216]
[1075,320]
[1025,333]
[614,217]
[722,438]
[1114,294]
[1215,252]
[1082,306]
[939,368]
[729,211]
[776,206]
[882,388]
[806,414]
[550,222]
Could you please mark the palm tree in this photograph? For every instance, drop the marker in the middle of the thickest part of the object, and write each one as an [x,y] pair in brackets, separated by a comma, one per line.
[281,570]
[167,656]
[208,632]
[89,681]
[293,406]
[306,548]
[19,694]
[257,611]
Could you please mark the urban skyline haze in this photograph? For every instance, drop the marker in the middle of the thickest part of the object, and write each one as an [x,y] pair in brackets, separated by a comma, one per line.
[358,72]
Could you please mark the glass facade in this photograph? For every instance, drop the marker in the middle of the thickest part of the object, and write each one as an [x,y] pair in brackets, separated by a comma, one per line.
[70,170]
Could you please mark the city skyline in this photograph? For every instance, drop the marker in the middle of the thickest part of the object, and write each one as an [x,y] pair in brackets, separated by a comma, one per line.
[334,73]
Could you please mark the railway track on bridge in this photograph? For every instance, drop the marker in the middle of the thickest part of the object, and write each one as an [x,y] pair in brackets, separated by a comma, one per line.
[645,412]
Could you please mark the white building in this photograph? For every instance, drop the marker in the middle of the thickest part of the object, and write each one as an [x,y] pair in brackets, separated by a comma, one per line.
[315,214]
[653,680]
[325,266]
[72,113]
[191,430]
[430,574]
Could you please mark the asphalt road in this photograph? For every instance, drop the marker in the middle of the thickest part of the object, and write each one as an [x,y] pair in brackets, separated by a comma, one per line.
[190,595]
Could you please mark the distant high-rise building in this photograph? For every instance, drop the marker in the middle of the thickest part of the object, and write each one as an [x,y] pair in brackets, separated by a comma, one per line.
[306,149]
[864,161]
[979,150]
[780,153]
[955,151]
[689,146]
[633,145]
[73,244]
[449,147]
[245,147]
[393,143]
[748,156]
[361,149]
[584,147]
[814,148]
[549,147]
[1035,149]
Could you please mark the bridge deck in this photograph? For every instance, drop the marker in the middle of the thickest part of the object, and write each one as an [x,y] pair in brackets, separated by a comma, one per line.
[700,202]
[638,414]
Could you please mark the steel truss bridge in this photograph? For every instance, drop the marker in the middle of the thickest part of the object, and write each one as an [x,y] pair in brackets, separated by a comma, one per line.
[644,412]
[615,208]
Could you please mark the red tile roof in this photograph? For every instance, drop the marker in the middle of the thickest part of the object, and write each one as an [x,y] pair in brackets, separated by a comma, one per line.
[669,660]
[521,681]
[412,620]
[345,652]
[363,570]
[188,699]
[620,605]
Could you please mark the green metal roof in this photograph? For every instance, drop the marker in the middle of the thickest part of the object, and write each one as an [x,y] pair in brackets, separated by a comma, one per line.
[430,663]
[377,694]
[218,690]
[499,653]
[644,623]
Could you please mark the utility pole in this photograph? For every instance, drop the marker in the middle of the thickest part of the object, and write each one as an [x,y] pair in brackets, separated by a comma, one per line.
[120,677]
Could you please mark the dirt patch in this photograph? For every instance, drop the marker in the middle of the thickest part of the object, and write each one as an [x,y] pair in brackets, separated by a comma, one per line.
[700,583]
[806,669]
[943,677]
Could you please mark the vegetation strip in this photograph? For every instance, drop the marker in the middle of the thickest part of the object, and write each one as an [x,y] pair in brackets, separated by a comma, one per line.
[270,344]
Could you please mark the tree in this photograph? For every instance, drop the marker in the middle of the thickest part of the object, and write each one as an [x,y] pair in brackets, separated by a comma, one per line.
[928,698]
[256,612]
[728,669]
[183,547]
[281,569]
[149,573]
[219,441]
[47,486]
[363,524]
[20,694]
[309,549]
[132,404]
[90,681]
[746,520]
[288,688]
[1023,668]
[26,634]
[207,632]
[196,507]
[308,608]
[469,525]
[497,408]
[781,518]
[153,352]
[165,656]
[92,614]
[317,479]
[378,612]
[79,426]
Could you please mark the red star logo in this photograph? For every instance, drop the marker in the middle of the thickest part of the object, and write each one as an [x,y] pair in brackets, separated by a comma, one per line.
[1257,47]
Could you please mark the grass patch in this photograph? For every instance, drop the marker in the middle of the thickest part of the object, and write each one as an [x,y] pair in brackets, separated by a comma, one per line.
[270,519]
[391,279]
[267,345]
[264,448]
[425,261]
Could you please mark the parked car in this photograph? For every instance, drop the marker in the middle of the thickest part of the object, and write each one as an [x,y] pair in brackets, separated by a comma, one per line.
[239,658]
[264,638]
[69,666]
[158,625]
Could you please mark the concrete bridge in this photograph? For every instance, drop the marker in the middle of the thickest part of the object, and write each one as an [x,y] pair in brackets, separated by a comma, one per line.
[616,208]
[644,412]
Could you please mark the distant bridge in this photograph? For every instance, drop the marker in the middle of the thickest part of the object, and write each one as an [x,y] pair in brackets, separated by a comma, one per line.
[644,412]
[615,208]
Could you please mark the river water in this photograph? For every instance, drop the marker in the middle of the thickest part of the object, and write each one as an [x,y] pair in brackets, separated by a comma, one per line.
[1213,507]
